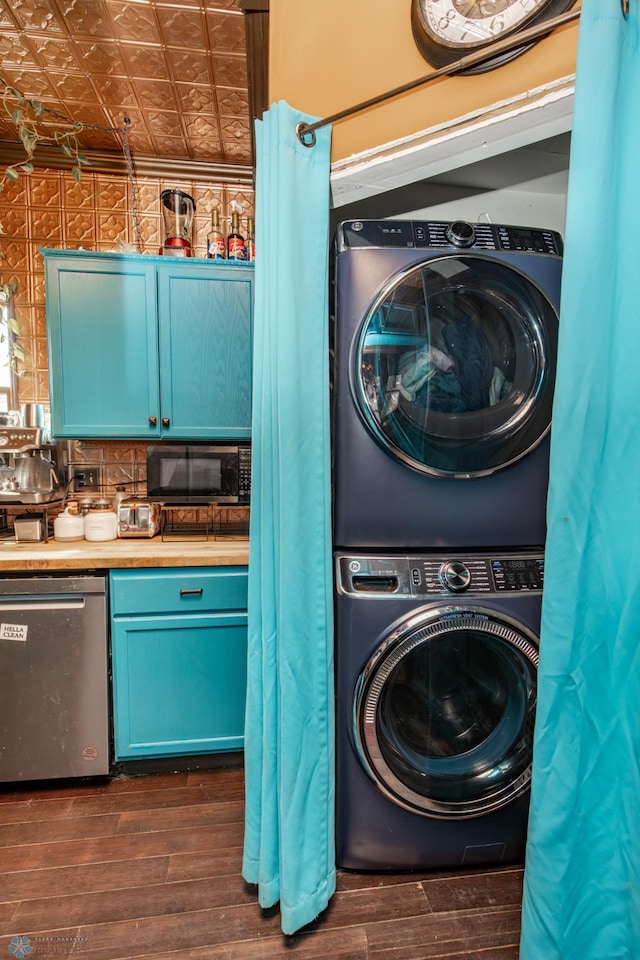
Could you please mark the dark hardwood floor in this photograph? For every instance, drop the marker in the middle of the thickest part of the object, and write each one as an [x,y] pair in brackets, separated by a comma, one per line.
[149,867]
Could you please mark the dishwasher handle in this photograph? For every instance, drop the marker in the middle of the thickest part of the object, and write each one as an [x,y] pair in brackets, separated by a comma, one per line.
[42,603]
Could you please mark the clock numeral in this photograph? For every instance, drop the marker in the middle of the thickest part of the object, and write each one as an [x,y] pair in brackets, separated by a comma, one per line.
[469,32]
[497,25]
[447,20]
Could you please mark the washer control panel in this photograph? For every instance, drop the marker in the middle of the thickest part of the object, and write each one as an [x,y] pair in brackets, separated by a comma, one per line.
[436,575]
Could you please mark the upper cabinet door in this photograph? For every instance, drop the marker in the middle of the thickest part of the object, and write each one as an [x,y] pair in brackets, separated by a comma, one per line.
[205,336]
[148,347]
[103,350]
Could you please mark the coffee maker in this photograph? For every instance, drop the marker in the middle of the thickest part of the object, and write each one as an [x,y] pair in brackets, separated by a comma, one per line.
[178,209]
[32,469]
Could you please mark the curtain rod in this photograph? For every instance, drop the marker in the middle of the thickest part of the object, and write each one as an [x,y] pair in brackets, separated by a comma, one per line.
[306,131]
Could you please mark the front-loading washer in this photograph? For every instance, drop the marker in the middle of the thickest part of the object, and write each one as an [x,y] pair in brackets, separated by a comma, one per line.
[436,682]
[444,346]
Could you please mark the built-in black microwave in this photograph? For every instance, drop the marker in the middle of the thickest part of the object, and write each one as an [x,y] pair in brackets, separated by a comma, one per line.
[199,473]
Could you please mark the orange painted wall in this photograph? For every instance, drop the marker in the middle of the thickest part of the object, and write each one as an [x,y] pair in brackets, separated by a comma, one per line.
[330,55]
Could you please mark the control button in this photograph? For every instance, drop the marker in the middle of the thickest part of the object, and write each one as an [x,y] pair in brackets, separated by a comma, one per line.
[454,576]
[416,576]
[460,234]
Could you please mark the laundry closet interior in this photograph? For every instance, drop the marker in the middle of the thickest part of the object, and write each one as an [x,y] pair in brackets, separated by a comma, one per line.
[445,307]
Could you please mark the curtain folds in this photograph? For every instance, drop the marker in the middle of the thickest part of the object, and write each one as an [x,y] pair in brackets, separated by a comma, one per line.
[582,876]
[289,734]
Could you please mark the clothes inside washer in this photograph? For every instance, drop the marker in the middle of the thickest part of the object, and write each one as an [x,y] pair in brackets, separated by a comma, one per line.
[473,361]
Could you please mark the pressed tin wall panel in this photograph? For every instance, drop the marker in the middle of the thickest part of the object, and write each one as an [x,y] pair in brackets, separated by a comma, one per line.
[48,209]
[168,66]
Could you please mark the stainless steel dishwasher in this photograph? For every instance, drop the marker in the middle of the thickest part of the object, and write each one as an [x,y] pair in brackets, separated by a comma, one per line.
[54,677]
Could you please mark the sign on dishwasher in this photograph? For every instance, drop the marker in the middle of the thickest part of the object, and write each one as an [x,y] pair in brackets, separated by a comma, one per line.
[13,631]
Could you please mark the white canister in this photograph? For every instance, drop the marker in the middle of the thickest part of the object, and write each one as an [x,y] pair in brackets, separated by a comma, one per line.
[100,524]
[68,526]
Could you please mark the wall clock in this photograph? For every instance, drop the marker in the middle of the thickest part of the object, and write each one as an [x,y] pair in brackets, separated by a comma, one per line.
[446,30]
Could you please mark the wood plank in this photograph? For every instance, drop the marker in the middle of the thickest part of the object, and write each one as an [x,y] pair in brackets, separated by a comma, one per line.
[348,880]
[139,903]
[188,866]
[383,903]
[94,805]
[52,831]
[64,881]
[227,782]
[443,934]
[103,786]
[346,944]
[181,818]
[500,888]
[154,799]
[352,880]
[25,811]
[164,935]
[126,847]
[492,953]
[7,913]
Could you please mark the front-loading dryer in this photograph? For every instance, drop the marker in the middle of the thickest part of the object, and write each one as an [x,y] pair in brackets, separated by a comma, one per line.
[436,682]
[444,343]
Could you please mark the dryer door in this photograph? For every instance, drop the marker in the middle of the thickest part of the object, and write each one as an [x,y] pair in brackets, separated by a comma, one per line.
[455,366]
[444,712]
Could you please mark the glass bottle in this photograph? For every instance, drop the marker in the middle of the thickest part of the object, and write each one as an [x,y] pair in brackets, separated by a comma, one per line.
[216,247]
[235,240]
[251,239]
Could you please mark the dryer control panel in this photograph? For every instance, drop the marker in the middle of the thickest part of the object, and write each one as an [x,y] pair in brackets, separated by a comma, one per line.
[436,575]
[447,235]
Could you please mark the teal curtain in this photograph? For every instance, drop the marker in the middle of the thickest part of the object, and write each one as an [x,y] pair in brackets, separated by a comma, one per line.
[289,734]
[582,874]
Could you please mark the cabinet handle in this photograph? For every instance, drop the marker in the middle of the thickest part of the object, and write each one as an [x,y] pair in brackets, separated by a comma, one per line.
[153,421]
[165,421]
[198,592]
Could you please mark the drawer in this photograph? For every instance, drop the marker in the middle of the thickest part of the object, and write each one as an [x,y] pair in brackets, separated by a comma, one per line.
[183,590]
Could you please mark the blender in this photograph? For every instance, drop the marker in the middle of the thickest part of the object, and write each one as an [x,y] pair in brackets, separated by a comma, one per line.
[178,209]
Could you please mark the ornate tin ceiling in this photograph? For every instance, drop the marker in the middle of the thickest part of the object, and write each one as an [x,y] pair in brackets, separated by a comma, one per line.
[176,69]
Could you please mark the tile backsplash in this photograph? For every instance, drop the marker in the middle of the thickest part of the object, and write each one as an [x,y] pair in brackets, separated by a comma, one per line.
[49,209]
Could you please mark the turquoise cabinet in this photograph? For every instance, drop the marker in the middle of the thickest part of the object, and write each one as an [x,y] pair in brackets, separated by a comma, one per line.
[148,347]
[179,651]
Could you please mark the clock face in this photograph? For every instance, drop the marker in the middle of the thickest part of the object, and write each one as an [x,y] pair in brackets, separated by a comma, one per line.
[445,30]
[467,23]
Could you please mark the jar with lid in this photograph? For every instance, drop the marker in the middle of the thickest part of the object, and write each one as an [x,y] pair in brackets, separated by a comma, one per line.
[69,524]
[101,523]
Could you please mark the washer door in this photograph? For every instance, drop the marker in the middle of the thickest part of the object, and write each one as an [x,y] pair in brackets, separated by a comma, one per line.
[444,712]
[455,366]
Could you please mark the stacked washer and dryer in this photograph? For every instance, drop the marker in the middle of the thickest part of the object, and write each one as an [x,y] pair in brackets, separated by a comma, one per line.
[444,343]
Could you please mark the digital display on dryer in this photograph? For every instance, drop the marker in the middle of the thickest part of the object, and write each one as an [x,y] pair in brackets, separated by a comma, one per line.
[518,574]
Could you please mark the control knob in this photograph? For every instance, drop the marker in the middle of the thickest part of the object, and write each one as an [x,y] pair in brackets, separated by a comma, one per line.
[460,234]
[454,576]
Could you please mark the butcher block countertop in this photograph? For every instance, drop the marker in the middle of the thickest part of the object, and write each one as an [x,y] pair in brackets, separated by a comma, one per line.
[125,553]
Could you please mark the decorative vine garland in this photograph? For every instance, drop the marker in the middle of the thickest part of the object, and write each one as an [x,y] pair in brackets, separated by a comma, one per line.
[27,115]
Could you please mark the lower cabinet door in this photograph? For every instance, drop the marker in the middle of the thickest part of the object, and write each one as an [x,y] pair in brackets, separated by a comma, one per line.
[179,684]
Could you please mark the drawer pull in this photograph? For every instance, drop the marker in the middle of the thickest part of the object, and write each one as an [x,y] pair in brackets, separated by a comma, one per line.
[185,593]
[153,421]
[166,422]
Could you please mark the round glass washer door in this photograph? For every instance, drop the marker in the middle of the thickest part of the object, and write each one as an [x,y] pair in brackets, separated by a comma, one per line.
[455,366]
[444,713]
